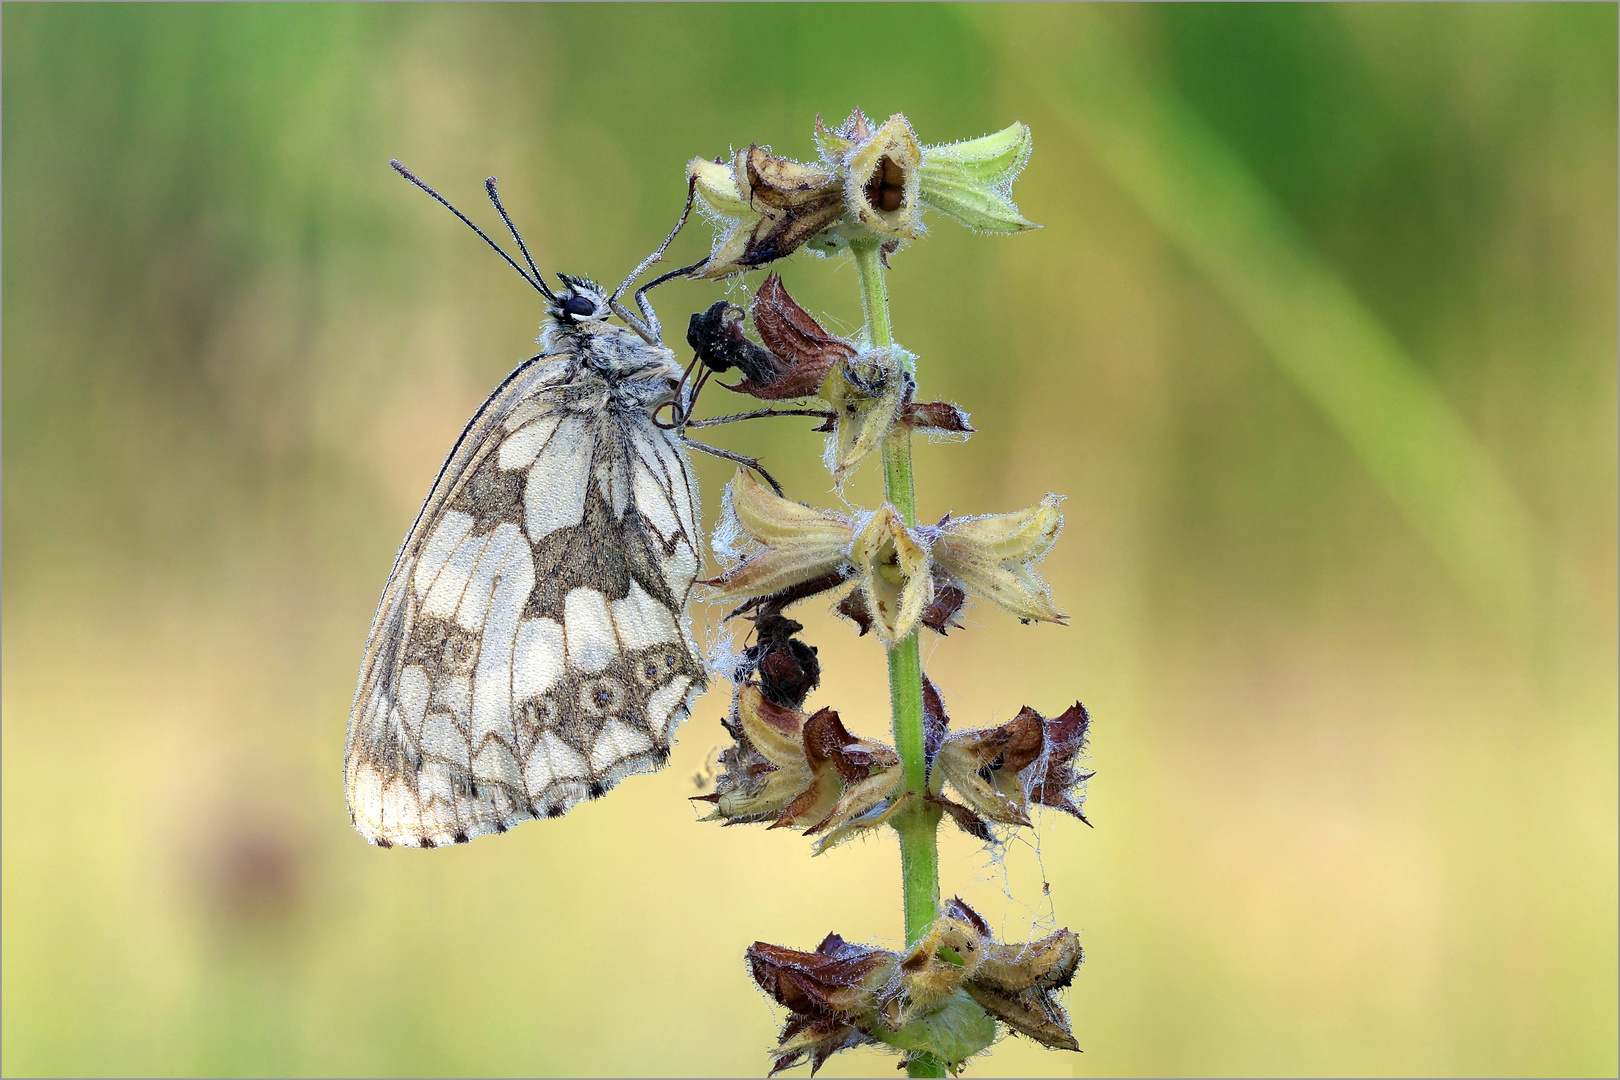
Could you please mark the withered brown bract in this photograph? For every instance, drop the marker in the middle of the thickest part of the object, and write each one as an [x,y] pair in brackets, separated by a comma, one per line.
[532,646]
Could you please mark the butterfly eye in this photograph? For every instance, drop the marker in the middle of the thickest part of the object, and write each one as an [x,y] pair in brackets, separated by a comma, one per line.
[579,305]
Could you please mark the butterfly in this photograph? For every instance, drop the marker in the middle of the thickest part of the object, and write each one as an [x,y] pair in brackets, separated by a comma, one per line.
[533,646]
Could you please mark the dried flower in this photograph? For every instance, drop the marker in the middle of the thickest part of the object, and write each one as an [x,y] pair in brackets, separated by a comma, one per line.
[794,770]
[764,207]
[865,393]
[1015,983]
[807,352]
[942,997]
[880,170]
[1065,743]
[788,669]
[939,616]
[766,769]
[999,771]
[868,182]
[935,418]
[995,556]
[893,566]
[829,994]
[863,776]
[795,543]
[894,574]
[879,554]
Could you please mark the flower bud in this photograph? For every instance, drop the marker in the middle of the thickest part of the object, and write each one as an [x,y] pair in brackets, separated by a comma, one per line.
[972,181]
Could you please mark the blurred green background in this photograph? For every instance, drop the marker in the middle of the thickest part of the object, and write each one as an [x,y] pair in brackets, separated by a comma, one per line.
[1319,339]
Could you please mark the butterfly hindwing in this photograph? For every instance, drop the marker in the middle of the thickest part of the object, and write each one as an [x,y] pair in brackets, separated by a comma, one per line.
[531,648]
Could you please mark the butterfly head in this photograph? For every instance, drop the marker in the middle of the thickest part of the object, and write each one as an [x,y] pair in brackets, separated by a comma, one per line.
[579,301]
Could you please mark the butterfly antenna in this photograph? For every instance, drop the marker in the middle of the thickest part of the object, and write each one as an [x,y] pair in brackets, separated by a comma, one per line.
[535,281]
[494,197]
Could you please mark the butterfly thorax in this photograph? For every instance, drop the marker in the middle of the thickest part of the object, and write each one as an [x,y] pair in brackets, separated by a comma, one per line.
[635,373]
[613,361]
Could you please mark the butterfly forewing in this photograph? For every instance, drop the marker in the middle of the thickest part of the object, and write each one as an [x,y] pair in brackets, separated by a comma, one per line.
[532,646]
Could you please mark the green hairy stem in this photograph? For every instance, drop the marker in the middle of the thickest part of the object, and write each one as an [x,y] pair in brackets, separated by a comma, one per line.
[917,824]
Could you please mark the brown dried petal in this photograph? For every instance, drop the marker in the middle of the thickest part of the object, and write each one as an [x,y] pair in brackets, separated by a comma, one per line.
[833,979]
[959,910]
[791,595]
[853,607]
[805,350]
[949,596]
[935,721]
[856,128]
[965,819]
[828,743]
[1065,742]
[935,417]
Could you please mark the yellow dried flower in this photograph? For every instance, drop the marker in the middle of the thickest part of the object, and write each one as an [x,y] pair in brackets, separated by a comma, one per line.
[995,556]
[866,393]
[795,542]
[893,570]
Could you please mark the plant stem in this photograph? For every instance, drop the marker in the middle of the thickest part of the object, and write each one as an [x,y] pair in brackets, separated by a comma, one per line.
[918,824]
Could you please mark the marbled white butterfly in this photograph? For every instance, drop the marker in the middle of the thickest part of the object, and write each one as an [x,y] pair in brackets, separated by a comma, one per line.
[532,646]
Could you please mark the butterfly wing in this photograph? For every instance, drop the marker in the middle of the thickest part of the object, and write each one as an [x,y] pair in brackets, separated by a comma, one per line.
[532,647]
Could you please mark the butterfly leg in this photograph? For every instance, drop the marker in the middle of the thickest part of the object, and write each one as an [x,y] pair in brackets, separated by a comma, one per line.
[757,414]
[752,463]
[650,331]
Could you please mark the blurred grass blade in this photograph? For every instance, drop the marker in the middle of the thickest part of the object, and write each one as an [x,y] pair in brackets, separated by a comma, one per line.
[1218,214]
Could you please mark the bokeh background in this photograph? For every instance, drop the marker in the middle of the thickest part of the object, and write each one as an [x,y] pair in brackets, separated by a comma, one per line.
[1319,339]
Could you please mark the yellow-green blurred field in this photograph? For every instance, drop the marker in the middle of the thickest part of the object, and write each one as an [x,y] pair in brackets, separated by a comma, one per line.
[1319,339]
